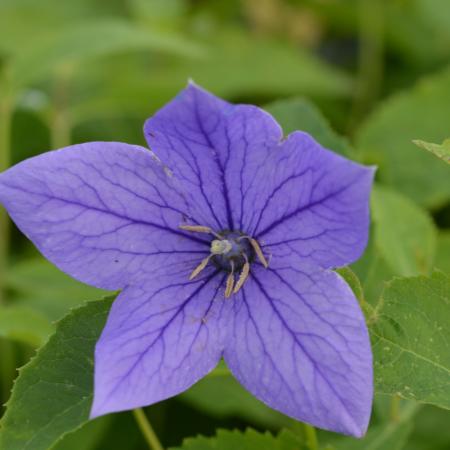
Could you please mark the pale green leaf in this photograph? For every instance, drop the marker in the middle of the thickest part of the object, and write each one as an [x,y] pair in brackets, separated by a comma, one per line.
[442,151]
[404,233]
[39,285]
[386,139]
[301,114]
[53,393]
[20,19]
[372,271]
[90,40]
[24,324]
[411,339]
[237,65]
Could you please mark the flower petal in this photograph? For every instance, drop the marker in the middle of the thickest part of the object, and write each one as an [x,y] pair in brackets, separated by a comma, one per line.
[105,213]
[160,338]
[300,344]
[309,203]
[212,145]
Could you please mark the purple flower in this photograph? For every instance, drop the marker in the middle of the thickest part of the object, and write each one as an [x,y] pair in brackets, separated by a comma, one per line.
[222,245]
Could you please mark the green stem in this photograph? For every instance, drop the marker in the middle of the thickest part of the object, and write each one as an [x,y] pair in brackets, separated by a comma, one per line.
[147,430]
[7,350]
[311,437]
[60,123]
[395,409]
[370,59]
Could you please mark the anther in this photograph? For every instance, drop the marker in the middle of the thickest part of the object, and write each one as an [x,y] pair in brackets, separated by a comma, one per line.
[200,267]
[198,229]
[242,277]
[230,282]
[254,243]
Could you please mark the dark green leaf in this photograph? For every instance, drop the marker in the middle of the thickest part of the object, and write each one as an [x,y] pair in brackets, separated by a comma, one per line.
[222,396]
[389,436]
[53,393]
[431,430]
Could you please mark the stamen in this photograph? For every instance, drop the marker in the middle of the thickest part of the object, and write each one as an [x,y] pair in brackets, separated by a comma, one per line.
[259,252]
[199,229]
[242,277]
[230,282]
[200,267]
[196,228]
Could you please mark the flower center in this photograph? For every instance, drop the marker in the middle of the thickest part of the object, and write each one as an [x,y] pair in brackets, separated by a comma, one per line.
[232,252]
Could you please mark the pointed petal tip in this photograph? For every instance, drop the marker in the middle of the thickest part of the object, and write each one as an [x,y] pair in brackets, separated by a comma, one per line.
[352,428]
[193,85]
[97,411]
[191,82]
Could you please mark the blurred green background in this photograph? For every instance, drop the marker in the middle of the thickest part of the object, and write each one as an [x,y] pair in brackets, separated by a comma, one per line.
[375,71]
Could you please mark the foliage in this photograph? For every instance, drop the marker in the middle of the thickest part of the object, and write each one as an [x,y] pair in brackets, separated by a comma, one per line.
[440,150]
[94,70]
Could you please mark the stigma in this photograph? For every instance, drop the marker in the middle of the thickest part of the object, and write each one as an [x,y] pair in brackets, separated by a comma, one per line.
[230,251]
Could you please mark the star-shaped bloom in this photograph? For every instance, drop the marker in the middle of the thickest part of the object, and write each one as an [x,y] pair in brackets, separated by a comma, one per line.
[222,243]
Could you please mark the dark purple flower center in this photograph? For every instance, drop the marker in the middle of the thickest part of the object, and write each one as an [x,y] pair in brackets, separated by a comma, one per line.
[240,252]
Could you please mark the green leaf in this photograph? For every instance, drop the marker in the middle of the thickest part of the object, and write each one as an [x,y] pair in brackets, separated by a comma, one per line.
[248,440]
[38,284]
[386,139]
[223,396]
[270,69]
[20,19]
[24,324]
[419,28]
[411,339]
[301,114]
[431,430]
[373,272]
[404,233]
[442,151]
[390,436]
[53,393]
[89,40]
